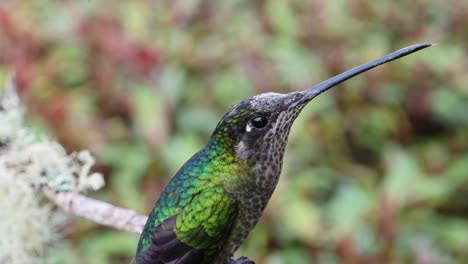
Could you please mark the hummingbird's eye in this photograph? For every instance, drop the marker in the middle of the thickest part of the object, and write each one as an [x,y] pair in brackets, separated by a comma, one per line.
[257,122]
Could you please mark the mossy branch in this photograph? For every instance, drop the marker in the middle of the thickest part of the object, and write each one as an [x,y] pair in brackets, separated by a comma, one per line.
[97,211]
[37,175]
[42,166]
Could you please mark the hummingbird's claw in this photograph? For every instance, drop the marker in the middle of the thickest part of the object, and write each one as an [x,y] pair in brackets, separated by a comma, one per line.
[241,260]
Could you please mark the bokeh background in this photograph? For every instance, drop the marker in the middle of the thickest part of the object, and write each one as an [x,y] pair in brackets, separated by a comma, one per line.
[376,170]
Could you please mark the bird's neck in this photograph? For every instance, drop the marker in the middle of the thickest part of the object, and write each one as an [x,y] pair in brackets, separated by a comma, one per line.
[233,173]
[243,178]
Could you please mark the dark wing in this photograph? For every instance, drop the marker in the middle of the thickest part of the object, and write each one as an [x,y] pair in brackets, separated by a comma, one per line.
[166,248]
[195,234]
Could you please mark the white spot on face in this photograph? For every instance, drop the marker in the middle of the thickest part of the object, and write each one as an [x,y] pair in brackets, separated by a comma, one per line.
[248,128]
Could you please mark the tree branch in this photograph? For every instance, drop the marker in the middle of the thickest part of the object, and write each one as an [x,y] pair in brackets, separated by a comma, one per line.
[72,202]
[97,211]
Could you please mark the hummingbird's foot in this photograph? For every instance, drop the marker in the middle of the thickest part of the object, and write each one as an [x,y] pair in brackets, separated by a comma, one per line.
[241,260]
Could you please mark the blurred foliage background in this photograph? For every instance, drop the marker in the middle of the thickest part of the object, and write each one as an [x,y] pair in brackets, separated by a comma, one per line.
[376,170]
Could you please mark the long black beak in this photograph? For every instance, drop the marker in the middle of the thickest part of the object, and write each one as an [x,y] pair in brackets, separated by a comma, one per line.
[317,89]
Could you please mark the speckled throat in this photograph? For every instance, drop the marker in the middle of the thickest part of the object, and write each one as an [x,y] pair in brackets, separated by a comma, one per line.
[266,172]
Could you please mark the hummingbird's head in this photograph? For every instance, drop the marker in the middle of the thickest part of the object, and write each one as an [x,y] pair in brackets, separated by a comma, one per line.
[256,129]
[259,123]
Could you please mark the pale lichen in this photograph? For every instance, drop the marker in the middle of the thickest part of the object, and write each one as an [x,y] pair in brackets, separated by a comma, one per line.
[29,223]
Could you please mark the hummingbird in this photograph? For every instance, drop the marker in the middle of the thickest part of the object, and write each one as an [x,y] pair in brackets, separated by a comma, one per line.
[212,203]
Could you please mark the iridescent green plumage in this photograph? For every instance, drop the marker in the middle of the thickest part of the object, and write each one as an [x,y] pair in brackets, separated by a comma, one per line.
[199,199]
[201,195]
[215,200]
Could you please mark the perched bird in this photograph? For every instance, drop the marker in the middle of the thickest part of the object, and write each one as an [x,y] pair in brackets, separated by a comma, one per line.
[215,200]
